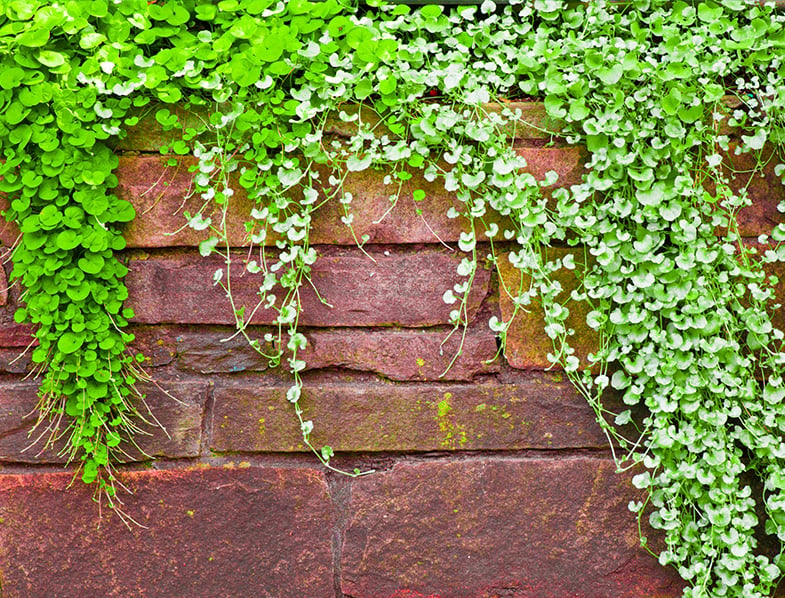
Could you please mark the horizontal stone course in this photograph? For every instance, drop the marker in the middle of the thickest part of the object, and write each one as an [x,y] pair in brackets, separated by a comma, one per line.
[251,414]
[3,285]
[148,135]
[177,405]
[246,532]
[527,345]
[395,353]
[394,289]
[765,190]
[162,194]
[487,528]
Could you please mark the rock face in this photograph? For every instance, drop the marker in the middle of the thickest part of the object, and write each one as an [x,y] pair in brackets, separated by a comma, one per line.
[492,478]
[544,530]
[198,532]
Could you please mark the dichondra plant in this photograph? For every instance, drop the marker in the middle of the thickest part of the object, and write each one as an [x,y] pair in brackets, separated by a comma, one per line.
[664,96]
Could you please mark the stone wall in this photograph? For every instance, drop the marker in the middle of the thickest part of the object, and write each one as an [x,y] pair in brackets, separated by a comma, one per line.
[492,480]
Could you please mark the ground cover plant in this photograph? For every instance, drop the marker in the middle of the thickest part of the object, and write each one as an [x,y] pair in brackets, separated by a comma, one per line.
[662,94]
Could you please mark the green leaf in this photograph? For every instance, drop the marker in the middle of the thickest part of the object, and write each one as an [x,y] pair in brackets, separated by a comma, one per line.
[180,16]
[269,49]
[70,342]
[50,58]
[78,293]
[11,77]
[34,38]
[363,89]
[90,471]
[92,263]
[68,240]
[90,40]
[578,110]
[610,75]
[388,85]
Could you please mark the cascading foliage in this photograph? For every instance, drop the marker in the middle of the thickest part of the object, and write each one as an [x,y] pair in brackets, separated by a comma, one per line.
[664,96]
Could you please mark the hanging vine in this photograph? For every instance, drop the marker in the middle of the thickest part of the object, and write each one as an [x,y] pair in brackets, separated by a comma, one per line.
[682,304]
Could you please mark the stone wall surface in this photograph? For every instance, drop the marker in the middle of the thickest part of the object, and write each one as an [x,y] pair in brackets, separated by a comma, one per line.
[492,478]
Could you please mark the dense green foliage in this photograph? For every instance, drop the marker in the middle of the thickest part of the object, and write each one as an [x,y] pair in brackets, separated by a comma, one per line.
[681,304]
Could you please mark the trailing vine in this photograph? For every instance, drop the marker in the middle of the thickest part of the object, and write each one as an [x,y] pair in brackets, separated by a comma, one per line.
[663,95]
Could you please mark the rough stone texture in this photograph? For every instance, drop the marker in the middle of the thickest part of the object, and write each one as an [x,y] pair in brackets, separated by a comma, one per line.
[161,196]
[148,135]
[180,415]
[527,344]
[568,162]
[9,231]
[371,415]
[398,354]
[3,286]
[12,361]
[398,288]
[223,533]
[14,338]
[161,209]
[15,335]
[533,123]
[766,191]
[517,528]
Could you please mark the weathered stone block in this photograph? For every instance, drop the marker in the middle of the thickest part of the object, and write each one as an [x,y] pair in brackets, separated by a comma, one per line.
[527,345]
[395,288]
[225,533]
[179,414]
[148,135]
[252,414]
[3,285]
[395,353]
[487,528]
[765,190]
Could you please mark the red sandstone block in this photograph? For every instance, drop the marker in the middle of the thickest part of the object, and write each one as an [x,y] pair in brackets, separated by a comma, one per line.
[544,528]
[162,195]
[527,344]
[765,190]
[372,415]
[398,354]
[398,288]
[9,231]
[568,162]
[3,285]
[148,135]
[180,416]
[15,335]
[533,123]
[12,361]
[246,532]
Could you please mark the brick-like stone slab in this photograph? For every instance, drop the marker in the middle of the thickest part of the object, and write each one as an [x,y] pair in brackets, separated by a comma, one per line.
[218,532]
[398,288]
[396,353]
[15,335]
[518,528]
[527,345]
[9,231]
[162,194]
[538,412]
[180,414]
[765,189]
[568,162]
[148,135]
[3,285]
